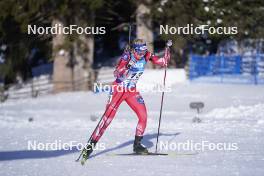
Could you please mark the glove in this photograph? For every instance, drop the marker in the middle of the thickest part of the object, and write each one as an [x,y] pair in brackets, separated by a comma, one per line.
[120,73]
[169,43]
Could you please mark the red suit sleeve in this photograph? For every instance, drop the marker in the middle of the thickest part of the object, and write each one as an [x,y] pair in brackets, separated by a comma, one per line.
[121,66]
[161,61]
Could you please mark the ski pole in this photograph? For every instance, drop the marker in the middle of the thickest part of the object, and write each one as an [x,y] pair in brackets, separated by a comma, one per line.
[167,50]
[129,35]
[128,46]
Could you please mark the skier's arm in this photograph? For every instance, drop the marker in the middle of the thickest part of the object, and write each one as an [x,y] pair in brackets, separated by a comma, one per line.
[161,61]
[121,67]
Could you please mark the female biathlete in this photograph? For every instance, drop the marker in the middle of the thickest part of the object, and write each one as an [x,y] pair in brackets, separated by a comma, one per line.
[128,70]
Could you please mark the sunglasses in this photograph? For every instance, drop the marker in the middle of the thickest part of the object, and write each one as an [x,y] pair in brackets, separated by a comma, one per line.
[140,49]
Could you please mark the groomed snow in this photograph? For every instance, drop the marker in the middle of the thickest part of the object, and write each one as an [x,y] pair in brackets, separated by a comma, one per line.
[233,113]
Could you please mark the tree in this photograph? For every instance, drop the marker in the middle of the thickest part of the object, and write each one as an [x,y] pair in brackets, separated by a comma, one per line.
[246,15]
[15,16]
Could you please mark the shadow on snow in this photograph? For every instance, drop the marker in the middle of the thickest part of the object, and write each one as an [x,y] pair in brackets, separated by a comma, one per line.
[38,154]
[146,141]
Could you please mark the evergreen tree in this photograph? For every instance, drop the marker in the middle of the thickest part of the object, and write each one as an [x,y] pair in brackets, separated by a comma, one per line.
[246,15]
[16,15]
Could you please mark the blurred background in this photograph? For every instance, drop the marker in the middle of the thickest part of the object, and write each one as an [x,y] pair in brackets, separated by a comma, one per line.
[215,87]
[32,65]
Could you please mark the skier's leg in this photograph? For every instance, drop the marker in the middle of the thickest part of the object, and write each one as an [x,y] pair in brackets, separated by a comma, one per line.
[109,114]
[136,102]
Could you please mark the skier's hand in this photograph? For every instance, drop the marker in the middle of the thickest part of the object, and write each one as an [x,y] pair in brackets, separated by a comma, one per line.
[117,74]
[169,43]
[120,73]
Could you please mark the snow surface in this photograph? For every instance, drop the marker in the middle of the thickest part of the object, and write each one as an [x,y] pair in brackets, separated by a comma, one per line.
[233,113]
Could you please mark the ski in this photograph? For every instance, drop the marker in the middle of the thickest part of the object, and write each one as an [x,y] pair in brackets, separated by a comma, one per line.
[86,152]
[83,160]
[141,154]
[154,154]
[79,157]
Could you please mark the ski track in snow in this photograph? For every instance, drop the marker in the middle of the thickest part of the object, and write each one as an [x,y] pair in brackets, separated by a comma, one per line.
[232,114]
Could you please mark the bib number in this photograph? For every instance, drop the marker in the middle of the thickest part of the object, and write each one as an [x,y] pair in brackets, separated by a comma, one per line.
[133,78]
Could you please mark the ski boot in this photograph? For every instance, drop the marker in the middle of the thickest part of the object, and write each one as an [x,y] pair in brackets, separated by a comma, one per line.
[139,148]
[87,151]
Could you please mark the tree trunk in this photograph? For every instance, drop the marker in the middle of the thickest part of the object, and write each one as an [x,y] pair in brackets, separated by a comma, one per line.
[73,66]
[144,26]
[83,54]
[62,74]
